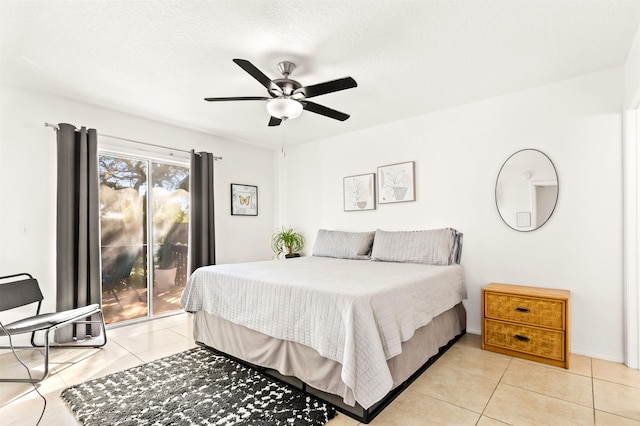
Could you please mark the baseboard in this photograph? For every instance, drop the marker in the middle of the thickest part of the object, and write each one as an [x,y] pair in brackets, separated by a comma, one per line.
[471,330]
[597,353]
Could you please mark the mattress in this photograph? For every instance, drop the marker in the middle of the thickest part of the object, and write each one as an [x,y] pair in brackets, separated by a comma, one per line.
[356,313]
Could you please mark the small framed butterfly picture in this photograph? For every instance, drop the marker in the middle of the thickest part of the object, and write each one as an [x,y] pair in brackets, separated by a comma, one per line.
[244,200]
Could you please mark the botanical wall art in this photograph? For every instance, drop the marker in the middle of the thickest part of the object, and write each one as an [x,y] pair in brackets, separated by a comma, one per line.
[396,183]
[244,200]
[359,192]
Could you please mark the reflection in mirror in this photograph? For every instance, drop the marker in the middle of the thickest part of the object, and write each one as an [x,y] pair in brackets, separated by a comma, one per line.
[527,190]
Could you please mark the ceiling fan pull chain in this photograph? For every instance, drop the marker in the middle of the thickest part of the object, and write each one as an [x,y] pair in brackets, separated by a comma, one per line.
[284,120]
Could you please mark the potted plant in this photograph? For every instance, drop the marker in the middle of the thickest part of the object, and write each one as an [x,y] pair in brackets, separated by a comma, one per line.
[287,242]
[165,273]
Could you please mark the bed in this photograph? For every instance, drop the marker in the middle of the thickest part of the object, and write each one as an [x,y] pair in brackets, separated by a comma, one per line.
[353,324]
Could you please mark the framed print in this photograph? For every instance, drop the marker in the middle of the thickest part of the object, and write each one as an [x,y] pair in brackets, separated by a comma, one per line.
[244,200]
[396,183]
[523,219]
[359,192]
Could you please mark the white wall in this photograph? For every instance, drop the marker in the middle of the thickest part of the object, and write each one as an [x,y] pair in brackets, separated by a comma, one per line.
[458,153]
[28,180]
[632,73]
[632,203]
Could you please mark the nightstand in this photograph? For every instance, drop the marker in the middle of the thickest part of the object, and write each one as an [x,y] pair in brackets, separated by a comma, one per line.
[526,322]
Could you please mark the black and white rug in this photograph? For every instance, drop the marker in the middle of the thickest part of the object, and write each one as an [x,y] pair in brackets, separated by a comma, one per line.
[196,387]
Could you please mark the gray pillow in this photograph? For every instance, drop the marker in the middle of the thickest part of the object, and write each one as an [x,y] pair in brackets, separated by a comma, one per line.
[433,247]
[343,245]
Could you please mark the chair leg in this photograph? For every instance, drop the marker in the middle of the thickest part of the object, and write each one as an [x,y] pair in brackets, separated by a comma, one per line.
[112,291]
[129,287]
[31,380]
[46,348]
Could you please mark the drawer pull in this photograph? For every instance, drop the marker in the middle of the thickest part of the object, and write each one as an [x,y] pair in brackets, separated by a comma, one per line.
[525,310]
[521,338]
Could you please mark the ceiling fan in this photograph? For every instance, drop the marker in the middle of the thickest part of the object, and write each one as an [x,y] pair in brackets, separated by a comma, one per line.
[288,97]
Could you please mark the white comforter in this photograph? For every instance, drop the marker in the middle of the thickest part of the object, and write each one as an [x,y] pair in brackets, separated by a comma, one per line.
[355,312]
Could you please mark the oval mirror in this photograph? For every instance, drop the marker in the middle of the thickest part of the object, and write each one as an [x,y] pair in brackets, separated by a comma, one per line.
[527,190]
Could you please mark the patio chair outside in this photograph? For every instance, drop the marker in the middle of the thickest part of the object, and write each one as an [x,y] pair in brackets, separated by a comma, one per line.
[117,271]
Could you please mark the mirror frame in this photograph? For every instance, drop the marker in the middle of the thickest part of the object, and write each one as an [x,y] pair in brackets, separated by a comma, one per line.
[495,196]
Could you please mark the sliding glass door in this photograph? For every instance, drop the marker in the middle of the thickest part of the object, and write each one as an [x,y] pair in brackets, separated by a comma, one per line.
[144,213]
[169,234]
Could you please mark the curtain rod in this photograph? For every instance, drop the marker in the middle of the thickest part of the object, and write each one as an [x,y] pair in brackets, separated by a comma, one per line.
[56,127]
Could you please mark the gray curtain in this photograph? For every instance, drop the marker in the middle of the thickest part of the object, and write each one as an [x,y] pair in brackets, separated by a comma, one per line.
[202,246]
[78,226]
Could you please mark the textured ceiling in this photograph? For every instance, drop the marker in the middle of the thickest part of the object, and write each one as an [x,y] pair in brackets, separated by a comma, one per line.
[159,59]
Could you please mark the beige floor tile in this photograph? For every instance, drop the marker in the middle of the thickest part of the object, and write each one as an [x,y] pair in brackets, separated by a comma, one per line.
[415,409]
[10,367]
[615,372]
[185,330]
[10,392]
[489,365]
[488,421]
[61,359]
[473,340]
[517,406]
[20,401]
[137,329]
[552,382]
[342,420]
[136,326]
[579,364]
[447,393]
[163,337]
[608,419]
[455,385]
[171,321]
[163,351]
[28,356]
[59,416]
[617,399]
[58,359]
[97,367]
[144,327]
[17,371]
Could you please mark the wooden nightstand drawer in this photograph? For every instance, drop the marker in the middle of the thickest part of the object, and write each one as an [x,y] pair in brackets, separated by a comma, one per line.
[527,322]
[530,340]
[525,310]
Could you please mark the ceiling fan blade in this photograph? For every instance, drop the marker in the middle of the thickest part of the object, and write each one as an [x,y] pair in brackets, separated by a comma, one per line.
[258,75]
[323,110]
[273,121]
[327,87]
[238,98]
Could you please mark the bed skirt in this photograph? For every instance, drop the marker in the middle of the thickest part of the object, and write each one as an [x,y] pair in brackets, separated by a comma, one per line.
[304,368]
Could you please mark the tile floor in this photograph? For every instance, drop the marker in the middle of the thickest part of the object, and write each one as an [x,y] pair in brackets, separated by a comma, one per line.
[467,386]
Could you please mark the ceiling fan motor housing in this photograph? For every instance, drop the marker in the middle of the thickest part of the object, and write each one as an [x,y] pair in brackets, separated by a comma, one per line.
[286,85]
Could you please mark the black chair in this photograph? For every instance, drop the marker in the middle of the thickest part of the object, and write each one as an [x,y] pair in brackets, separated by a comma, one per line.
[22,289]
[117,273]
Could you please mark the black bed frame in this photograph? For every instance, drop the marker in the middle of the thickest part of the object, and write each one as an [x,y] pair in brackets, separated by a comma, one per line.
[357,412]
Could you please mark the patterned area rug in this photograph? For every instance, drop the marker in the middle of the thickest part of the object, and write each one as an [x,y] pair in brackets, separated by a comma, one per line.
[196,387]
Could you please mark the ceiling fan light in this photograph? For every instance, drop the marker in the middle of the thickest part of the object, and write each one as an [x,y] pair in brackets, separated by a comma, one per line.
[284,108]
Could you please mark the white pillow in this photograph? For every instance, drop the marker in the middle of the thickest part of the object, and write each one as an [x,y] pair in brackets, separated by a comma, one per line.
[433,247]
[343,245]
